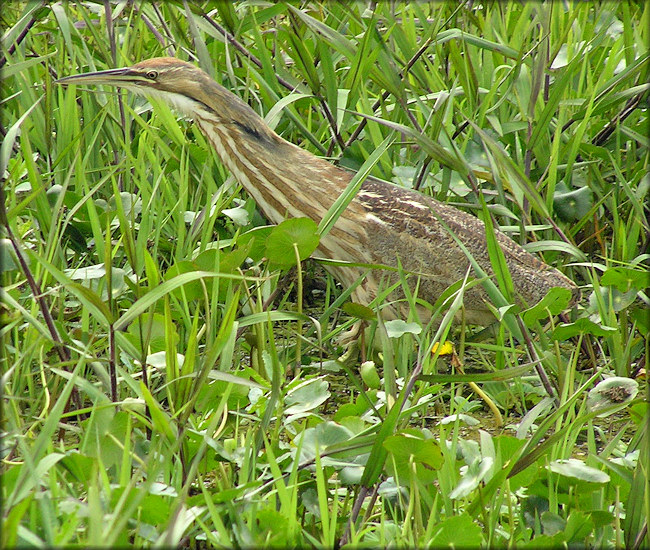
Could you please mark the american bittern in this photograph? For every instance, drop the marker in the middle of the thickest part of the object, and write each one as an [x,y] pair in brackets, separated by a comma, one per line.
[384,224]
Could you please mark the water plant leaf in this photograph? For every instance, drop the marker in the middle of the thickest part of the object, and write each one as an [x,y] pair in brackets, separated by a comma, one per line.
[474,474]
[411,448]
[613,391]
[456,532]
[359,311]
[301,232]
[625,279]
[572,204]
[577,469]
[398,328]
[564,331]
[555,302]
[307,396]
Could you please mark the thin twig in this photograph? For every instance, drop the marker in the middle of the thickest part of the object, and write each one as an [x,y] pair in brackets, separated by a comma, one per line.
[532,352]
[61,349]
[20,38]
[170,39]
[243,50]
[280,287]
[383,97]
[363,491]
[408,389]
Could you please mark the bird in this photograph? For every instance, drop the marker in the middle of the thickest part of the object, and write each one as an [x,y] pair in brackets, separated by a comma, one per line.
[385,224]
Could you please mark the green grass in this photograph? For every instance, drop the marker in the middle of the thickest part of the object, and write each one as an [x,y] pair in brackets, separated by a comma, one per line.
[125,244]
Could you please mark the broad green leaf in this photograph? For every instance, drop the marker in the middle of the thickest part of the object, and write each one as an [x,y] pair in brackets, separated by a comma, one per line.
[555,302]
[475,473]
[80,466]
[306,396]
[459,531]
[625,279]
[359,311]
[398,328]
[564,331]
[255,240]
[610,392]
[300,232]
[7,256]
[577,469]
[323,436]
[153,508]
[149,329]
[411,447]
[572,204]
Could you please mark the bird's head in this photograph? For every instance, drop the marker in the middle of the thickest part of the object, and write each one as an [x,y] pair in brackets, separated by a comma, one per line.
[178,83]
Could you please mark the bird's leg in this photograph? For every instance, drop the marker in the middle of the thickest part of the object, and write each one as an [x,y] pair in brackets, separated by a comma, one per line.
[486,333]
[353,342]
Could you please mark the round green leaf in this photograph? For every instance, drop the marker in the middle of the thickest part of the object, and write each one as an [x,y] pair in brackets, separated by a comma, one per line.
[572,205]
[410,447]
[191,290]
[555,302]
[306,396]
[7,256]
[359,311]
[397,328]
[255,238]
[475,473]
[625,279]
[613,391]
[93,277]
[457,532]
[220,261]
[301,232]
[148,333]
[564,331]
[319,438]
[577,469]
[612,297]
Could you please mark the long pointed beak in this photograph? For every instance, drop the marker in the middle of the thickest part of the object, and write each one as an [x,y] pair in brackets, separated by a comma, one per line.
[114,77]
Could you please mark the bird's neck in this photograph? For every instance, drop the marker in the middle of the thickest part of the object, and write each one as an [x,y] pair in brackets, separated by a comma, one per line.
[284,180]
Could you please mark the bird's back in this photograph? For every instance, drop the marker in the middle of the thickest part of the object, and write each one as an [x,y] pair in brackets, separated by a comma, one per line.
[401,225]
[389,225]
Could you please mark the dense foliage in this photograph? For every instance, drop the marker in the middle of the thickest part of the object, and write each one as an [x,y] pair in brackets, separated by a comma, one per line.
[169,379]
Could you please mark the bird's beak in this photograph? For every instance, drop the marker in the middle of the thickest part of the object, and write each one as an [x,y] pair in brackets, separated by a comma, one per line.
[114,77]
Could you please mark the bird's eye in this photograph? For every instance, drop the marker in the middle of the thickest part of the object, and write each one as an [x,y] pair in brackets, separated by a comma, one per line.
[152,75]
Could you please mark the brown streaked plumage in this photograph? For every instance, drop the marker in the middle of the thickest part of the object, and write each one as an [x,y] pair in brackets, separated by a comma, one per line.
[383,224]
